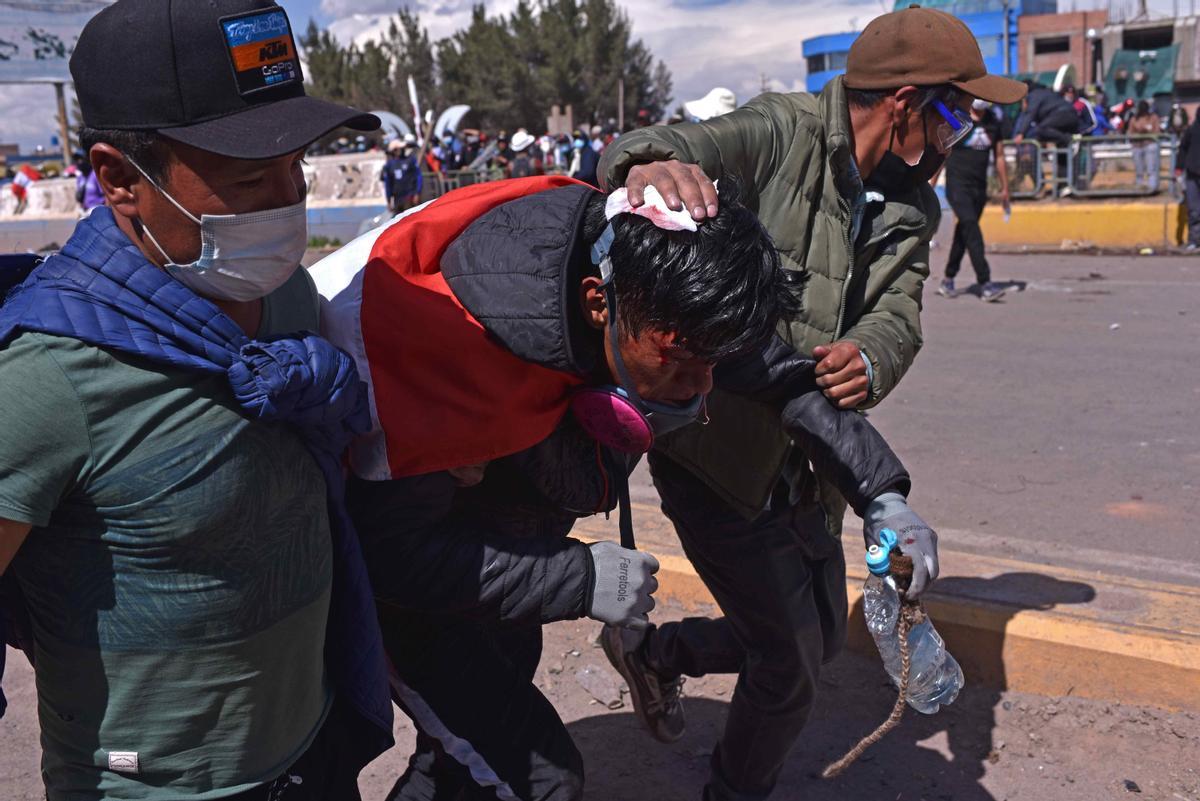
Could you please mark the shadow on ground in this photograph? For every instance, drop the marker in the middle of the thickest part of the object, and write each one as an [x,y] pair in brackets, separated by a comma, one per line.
[942,756]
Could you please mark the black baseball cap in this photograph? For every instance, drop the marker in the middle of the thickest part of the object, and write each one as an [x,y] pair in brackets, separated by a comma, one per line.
[220,75]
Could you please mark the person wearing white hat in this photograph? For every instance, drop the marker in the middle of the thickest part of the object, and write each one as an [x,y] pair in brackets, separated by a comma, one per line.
[717,102]
[524,161]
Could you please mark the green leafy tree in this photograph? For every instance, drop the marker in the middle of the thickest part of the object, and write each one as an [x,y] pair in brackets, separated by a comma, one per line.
[478,68]
[510,70]
[412,54]
[328,65]
[372,82]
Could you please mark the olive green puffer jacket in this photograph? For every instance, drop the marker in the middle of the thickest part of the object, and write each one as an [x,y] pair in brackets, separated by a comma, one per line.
[792,153]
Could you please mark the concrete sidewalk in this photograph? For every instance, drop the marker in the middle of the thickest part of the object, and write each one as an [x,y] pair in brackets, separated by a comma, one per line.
[1013,623]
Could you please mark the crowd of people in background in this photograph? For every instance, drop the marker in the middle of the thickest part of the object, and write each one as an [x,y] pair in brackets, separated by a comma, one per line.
[488,156]
[1046,116]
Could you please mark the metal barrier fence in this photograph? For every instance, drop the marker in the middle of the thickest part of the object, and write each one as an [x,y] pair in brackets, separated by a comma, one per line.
[1093,166]
[436,184]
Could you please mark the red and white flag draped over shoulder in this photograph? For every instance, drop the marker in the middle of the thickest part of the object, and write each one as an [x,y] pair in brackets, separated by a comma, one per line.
[443,393]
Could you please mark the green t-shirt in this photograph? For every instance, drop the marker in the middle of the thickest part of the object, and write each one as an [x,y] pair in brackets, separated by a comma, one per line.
[178,572]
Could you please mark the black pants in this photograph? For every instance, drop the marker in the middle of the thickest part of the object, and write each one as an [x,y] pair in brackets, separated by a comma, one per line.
[1191,187]
[780,580]
[967,200]
[327,771]
[484,731]
[1059,129]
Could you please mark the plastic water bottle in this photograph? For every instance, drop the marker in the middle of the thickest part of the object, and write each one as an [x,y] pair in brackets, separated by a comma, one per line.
[934,677]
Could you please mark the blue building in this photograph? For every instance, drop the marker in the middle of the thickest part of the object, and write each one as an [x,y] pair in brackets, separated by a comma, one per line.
[826,55]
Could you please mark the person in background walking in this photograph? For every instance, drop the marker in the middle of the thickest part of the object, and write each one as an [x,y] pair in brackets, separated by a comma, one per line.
[1177,121]
[401,177]
[88,193]
[585,160]
[967,193]
[1187,167]
[1145,151]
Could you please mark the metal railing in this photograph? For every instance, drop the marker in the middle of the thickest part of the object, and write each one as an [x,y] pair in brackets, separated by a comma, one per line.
[1093,166]
[436,184]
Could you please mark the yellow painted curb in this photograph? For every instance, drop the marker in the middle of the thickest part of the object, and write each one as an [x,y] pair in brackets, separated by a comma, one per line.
[1084,224]
[1131,641]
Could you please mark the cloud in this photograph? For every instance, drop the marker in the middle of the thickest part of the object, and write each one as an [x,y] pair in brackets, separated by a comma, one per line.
[740,44]
[30,114]
[705,43]
[344,8]
[442,19]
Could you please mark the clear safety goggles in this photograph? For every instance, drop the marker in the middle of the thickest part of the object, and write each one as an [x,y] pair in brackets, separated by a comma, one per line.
[954,128]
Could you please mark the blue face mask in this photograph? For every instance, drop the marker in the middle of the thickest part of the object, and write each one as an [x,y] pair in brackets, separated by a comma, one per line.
[579,143]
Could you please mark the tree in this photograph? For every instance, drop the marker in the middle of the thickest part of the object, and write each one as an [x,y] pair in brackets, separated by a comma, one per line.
[372,82]
[530,97]
[412,55]
[659,98]
[328,73]
[510,70]
[600,52]
[478,68]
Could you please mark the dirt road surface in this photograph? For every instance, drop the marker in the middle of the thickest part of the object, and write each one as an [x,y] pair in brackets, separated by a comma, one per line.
[989,746]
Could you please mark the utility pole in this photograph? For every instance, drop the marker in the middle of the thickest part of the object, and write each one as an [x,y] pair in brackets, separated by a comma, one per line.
[621,105]
[1007,43]
[64,128]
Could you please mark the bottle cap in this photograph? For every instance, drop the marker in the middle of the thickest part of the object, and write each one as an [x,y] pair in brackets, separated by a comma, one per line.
[877,560]
[888,540]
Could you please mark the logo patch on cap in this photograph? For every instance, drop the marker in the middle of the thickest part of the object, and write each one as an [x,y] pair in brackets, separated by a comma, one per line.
[261,49]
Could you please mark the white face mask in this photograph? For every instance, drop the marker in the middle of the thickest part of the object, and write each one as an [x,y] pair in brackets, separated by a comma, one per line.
[242,256]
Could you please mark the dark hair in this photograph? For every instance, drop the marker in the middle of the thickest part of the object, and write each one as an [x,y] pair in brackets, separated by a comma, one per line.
[145,147]
[867,99]
[721,289]
[1143,108]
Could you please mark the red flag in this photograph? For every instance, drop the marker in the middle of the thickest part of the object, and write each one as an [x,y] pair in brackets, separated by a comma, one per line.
[443,393]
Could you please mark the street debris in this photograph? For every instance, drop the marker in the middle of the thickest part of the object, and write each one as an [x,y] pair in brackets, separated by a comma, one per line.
[601,684]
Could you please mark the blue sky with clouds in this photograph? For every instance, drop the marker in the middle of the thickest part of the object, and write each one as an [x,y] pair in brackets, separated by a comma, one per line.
[739,44]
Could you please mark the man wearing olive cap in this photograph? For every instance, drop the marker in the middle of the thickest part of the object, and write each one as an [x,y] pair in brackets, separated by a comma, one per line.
[201,623]
[840,181]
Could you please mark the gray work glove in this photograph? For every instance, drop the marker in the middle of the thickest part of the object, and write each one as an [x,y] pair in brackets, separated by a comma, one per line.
[914,537]
[623,585]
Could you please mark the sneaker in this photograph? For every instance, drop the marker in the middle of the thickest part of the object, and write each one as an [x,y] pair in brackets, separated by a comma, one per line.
[991,291]
[1192,247]
[946,288]
[656,698]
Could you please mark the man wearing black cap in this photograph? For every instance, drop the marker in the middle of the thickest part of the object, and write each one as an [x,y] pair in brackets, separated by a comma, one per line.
[200,616]
[840,181]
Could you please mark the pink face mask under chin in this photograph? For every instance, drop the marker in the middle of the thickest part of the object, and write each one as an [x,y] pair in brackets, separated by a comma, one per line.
[612,420]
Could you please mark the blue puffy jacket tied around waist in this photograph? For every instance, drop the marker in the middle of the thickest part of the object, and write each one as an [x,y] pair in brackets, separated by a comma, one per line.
[101,290]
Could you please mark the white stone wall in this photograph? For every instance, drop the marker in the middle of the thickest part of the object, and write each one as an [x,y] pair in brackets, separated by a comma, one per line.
[331,180]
